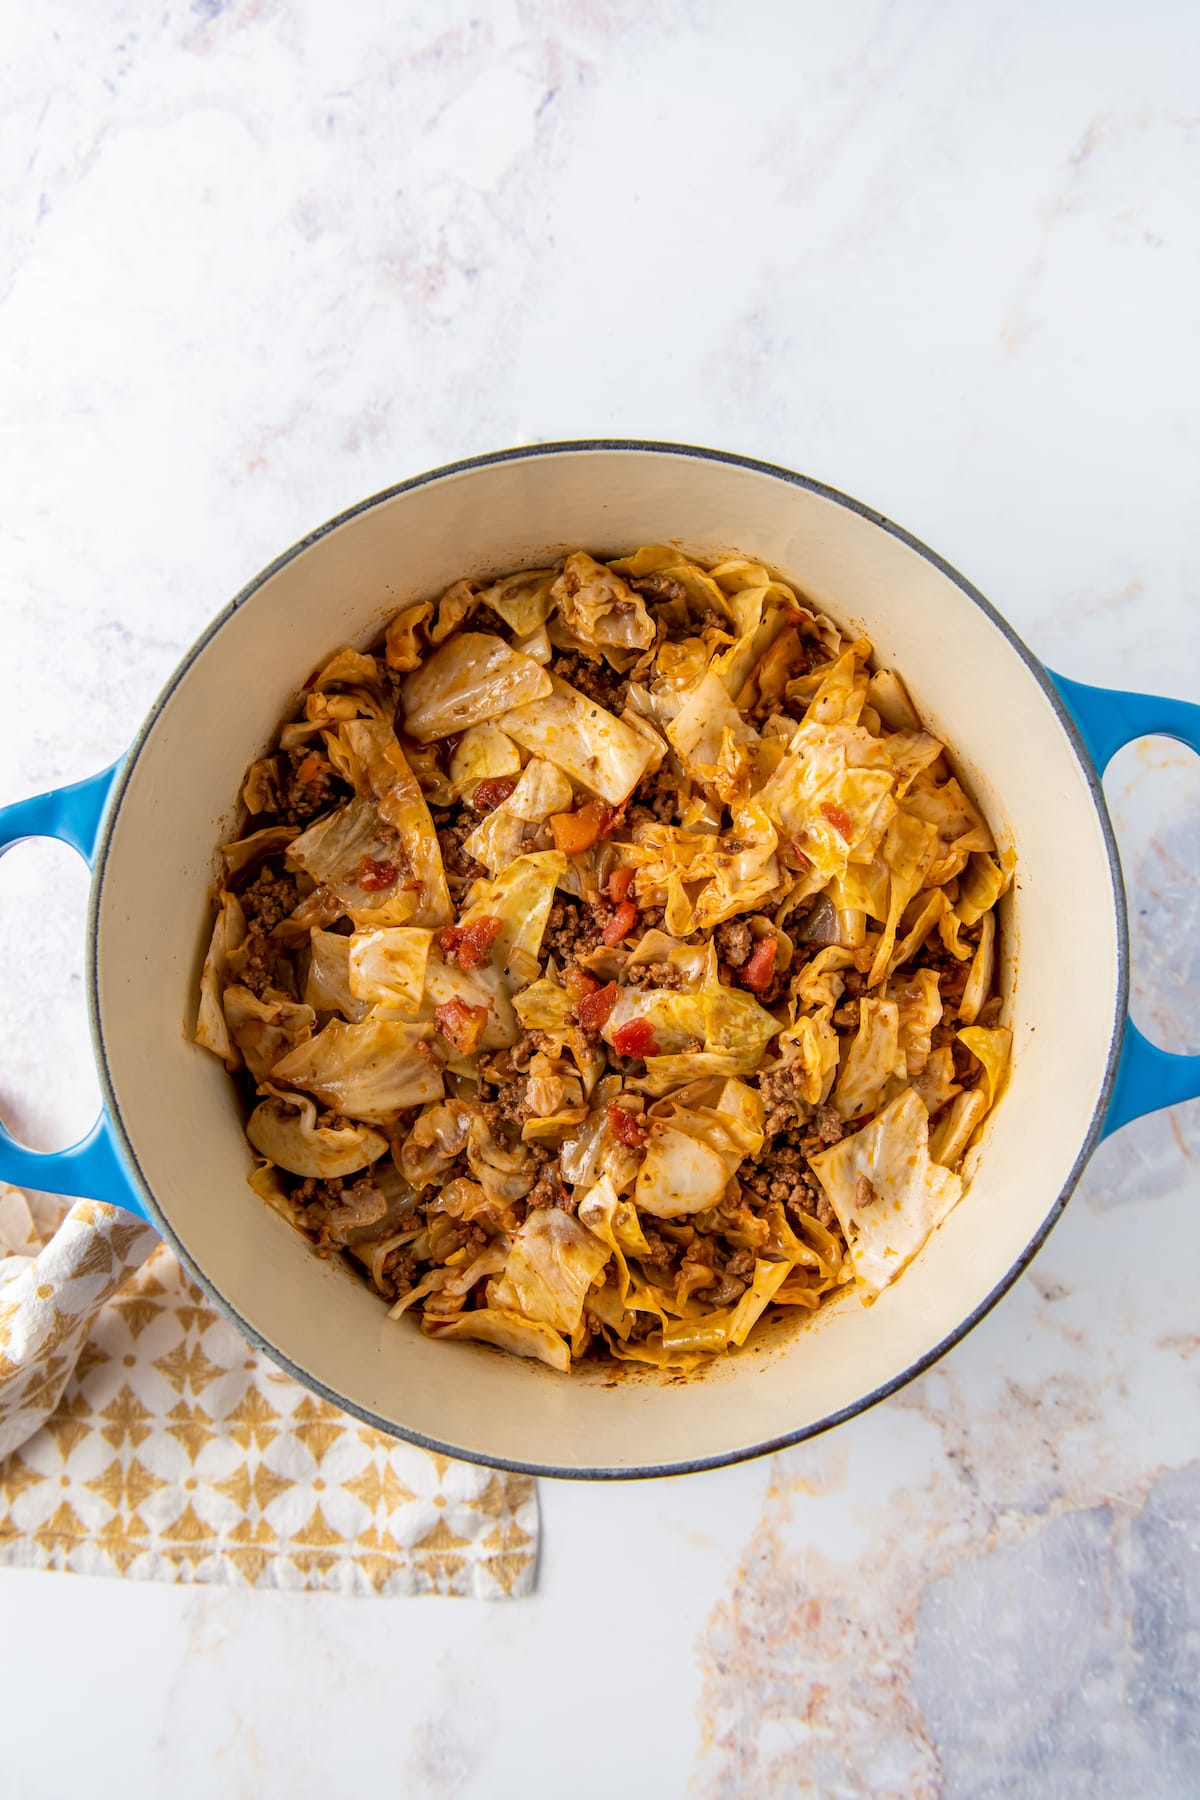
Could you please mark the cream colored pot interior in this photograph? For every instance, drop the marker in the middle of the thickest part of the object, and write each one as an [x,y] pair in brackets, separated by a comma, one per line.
[178,1109]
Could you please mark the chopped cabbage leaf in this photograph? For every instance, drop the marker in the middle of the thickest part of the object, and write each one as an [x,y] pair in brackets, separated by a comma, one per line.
[481,754]
[680,1174]
[699,590]
[498,838]
[228,935]
[438,1136]
[873,1058]
[266,1030]
[523,601]
[346,844]
[981,973]
[953,1132]
[506,1330]
[825,795]
[387,967]
[285,1130]
[810,1049]
[598,608]
[520,897]
[389,779]
[327,987]
[474,987]
[903,1195]
[472,677]
[552,1262]
[401,650]
[993,1048]
[595,749]
[370,1071]
[983,882]
[908,850]
[919,1003]
[244,852]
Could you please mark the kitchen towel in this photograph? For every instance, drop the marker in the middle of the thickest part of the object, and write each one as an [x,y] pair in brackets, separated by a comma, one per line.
[141,1435]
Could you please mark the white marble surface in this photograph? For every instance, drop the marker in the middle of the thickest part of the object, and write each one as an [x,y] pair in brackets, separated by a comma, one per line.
[258,259]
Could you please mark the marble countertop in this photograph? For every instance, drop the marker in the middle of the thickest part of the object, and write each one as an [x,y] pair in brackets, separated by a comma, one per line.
[258,260]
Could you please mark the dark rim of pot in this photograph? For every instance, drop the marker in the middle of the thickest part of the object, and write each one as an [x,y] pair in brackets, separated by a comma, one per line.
[743,1453]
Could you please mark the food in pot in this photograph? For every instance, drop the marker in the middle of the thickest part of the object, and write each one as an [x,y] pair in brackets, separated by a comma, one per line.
[609,959]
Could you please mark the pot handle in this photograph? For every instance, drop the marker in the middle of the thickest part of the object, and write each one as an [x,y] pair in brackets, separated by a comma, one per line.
[1107,719]
[94,1168]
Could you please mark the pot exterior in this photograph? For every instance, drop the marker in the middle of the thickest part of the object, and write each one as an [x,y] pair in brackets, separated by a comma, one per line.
[176,1112]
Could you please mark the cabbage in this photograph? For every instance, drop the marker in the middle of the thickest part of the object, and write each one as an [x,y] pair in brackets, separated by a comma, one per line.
[825,795]
[953,1132]
[993,1048]
[718,1330]
[384,770]
[244,852]
[920,1008]
[590,1152]
[500,835]
[327,988]
[873,1058]
[472,677]
[982,971]
[598,609]
[666,1073]
[727,1021]
[936,1083]
[653,741]
[228,935]
[401,649]
[908,850]
[960,827]
[811,1048]
[474,987]
[387,967]
[370,1071]
[545,1006]
[694,962]
[337,849]
[820,984]
[698,734]
[285,1130]
[692,1151]
[551,1264]
[453,609]
[889,697]
[438,1136]
[736,1025]
[732,870]
[348,687]
[982,884]
[537,644]
[520,897]
[265,1030]
[676,1018]
[909,1195]
[700,591]
[595,749]
[506,1330]
[911,752]
[481,754]
[523,601]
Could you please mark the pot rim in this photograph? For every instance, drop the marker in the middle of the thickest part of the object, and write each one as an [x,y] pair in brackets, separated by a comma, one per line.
[743,1453]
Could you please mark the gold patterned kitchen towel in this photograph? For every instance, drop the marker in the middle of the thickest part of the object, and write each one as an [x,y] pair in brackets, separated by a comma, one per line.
[141,1435]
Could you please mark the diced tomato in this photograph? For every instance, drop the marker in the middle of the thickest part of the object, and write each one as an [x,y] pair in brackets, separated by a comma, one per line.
[461,1025]
[593,1009]
[627,1127]
[310,769]
[757,973]
[839,818]
[619,884]
[490,793]
[373,876]
[578,982]
[635,1039]
[577,831]
[469,945]
[621,923]
[796,856]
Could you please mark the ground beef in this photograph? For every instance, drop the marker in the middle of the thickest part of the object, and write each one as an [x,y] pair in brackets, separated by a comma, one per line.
[656,797]
[660,587]
[780,1090]
[270,897]
[266,902]
[654,975]
[734,941]
[848,1015]
[322,790]
[570,927]
[828,1125]
[461,869]
[548,1190]
[855,984]
[595,679]
[337,1207]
